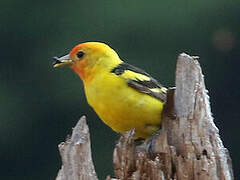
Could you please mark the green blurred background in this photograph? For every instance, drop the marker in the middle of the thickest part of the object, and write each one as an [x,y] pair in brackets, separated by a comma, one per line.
[40,105]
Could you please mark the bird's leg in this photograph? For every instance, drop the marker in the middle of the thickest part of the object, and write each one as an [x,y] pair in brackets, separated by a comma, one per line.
[150,143]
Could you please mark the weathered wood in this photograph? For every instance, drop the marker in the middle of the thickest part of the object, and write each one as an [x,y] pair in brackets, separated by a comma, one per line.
[193,133]
[187,147]
[76,155]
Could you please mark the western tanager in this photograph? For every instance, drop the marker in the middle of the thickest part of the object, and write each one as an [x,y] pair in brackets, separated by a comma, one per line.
[123,96]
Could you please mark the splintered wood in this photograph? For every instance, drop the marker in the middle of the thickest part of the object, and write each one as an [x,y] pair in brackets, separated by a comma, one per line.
[187,147]
[76,155]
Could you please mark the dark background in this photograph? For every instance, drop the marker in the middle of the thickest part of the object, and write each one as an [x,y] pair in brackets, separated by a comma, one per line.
[40,105]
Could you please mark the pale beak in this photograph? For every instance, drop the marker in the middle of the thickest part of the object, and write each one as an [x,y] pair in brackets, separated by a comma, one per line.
[63,61]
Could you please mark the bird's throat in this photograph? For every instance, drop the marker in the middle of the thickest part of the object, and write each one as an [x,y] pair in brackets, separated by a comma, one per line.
[83,71]
[78,68]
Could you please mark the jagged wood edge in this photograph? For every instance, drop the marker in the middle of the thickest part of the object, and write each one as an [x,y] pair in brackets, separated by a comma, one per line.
[76,155]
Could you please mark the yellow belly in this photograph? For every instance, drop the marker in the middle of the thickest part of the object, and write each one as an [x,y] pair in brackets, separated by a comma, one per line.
[122,107]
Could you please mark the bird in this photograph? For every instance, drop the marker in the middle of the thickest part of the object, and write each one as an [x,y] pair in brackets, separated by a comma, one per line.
[123,96]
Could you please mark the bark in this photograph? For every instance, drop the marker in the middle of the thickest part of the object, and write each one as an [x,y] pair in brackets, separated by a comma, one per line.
[187,147]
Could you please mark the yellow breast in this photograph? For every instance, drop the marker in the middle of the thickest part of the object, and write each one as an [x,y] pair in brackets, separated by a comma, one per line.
[122,107]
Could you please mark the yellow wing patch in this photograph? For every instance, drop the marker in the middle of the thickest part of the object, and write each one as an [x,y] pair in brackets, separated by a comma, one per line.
[159,90]
[128,74]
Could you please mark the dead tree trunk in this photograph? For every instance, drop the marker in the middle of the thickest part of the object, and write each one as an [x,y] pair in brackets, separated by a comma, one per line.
[187,147]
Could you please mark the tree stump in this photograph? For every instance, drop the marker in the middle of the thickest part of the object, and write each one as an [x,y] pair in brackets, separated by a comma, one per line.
[187,147]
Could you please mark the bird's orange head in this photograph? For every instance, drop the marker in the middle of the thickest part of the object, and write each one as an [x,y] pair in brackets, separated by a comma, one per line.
[88,58]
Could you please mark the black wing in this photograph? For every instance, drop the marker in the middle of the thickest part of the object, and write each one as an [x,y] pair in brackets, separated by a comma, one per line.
[147,85]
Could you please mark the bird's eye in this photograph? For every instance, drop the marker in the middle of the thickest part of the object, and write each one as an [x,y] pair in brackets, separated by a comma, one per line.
[80,54]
